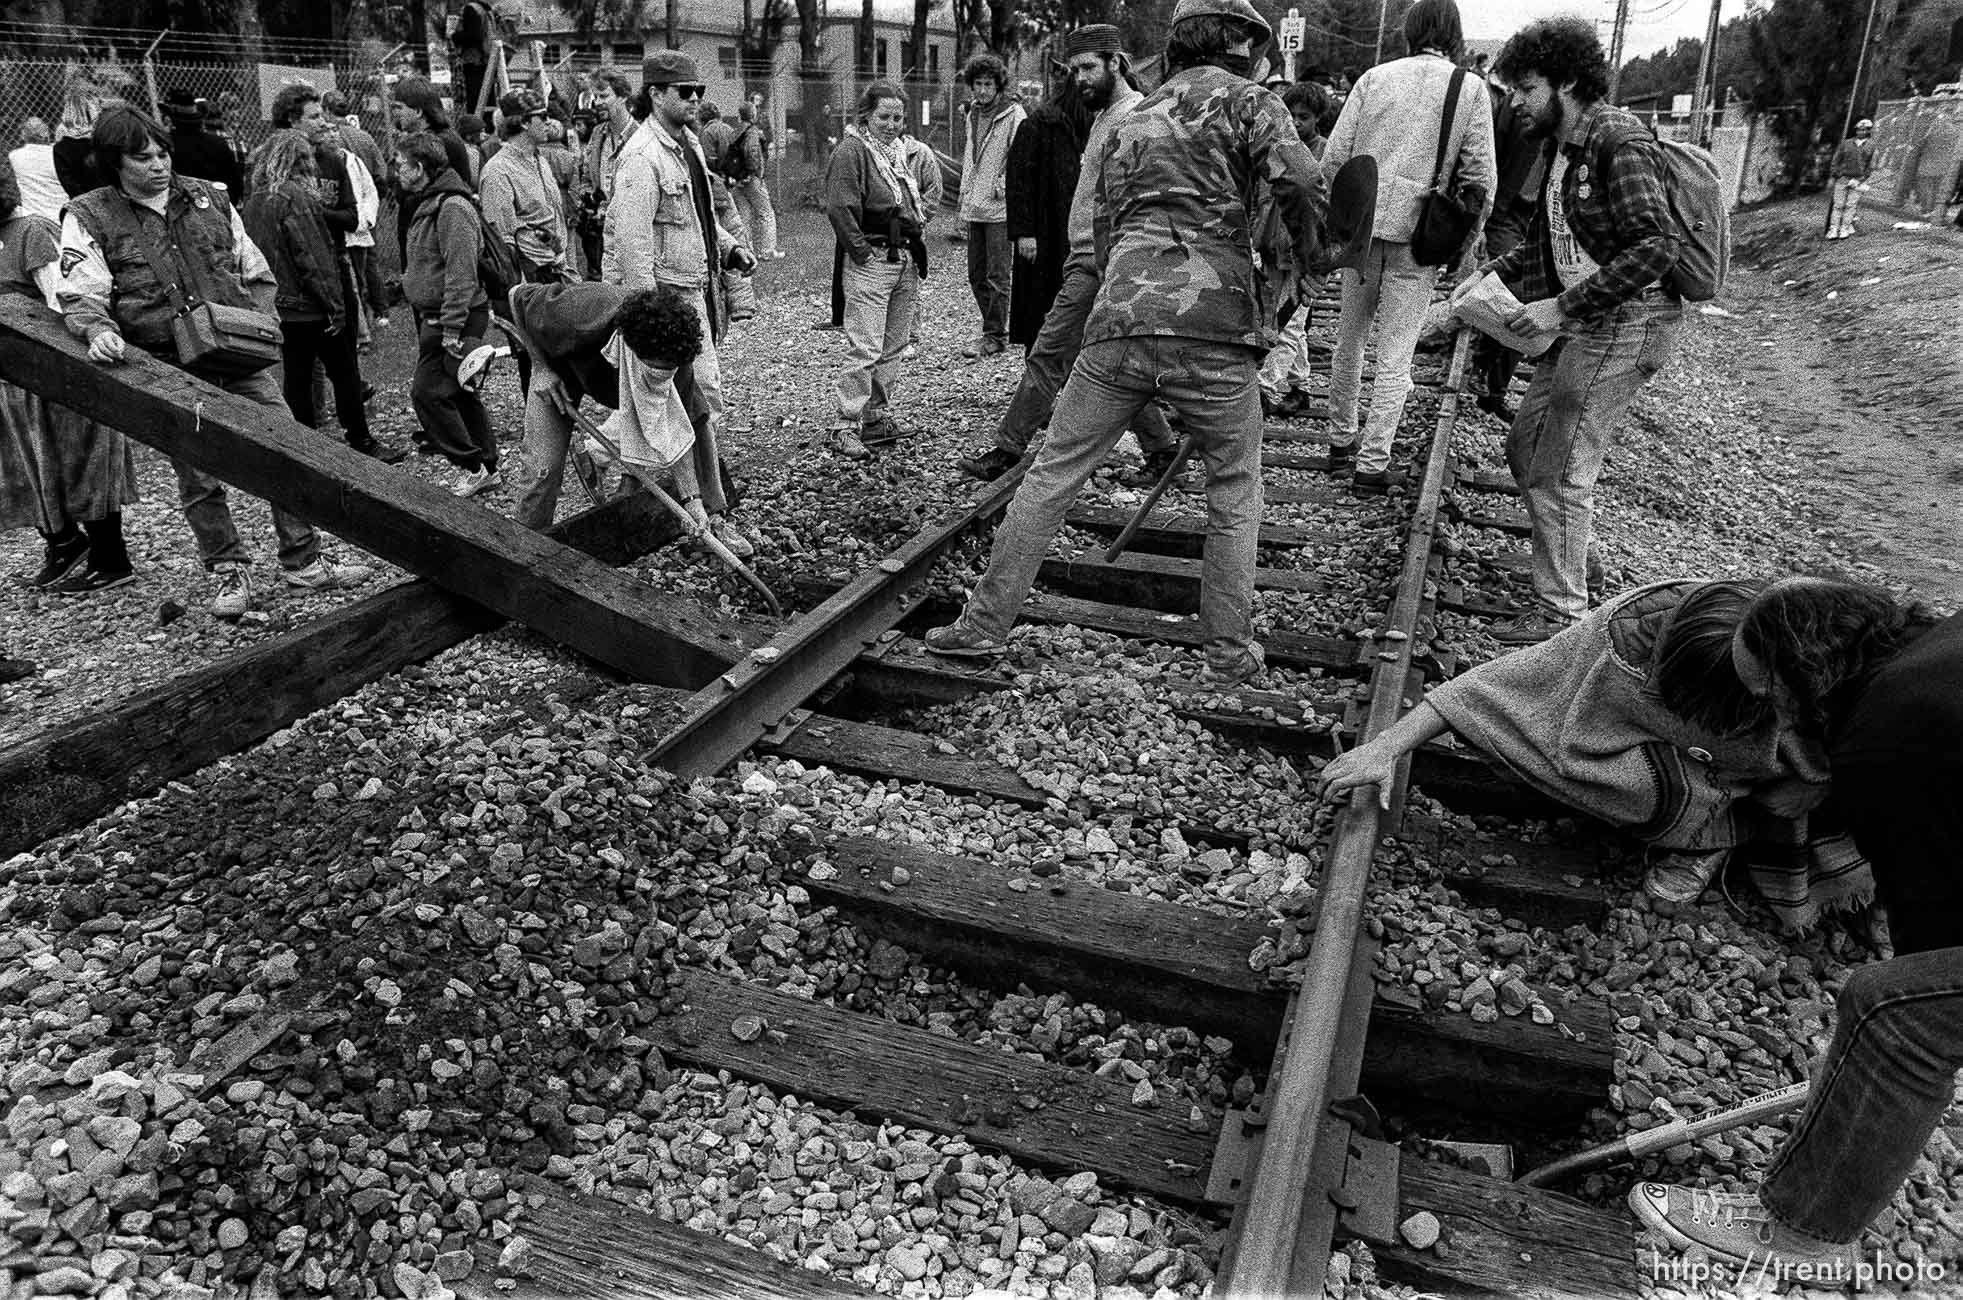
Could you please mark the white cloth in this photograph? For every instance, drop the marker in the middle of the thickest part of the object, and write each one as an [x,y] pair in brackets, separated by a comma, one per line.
[40,189]
[1486,304]
[651,428]
[1393,114]
[367,202]
[1572,264]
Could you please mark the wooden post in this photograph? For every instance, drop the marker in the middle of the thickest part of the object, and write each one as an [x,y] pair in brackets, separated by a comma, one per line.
[649,635]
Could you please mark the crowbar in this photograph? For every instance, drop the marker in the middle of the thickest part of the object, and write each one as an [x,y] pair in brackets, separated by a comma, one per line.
[1179,455]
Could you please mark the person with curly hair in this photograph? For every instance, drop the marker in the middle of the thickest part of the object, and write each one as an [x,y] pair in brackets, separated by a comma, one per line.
[993,119]
[623,348]
[1882,683]
[1593,270]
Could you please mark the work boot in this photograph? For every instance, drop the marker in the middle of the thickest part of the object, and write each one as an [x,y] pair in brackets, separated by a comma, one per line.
[62,559]
[959,642]
[845,441]
[1375,482]
[988,465]
[1342,455]
[1225,673]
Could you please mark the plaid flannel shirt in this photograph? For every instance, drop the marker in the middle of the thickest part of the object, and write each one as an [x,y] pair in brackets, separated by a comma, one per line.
[1613,196]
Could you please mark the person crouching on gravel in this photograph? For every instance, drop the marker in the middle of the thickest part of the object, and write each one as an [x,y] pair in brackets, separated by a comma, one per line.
[873,197]
[439,280]
[1182,315]
[1885,690]
[113,293]
[575,333]
[1636,716]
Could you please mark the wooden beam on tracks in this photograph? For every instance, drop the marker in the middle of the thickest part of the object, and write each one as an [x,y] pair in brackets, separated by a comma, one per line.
[587,1247]
[1176,965]
[649,635]
[1044,1114]
[71,774]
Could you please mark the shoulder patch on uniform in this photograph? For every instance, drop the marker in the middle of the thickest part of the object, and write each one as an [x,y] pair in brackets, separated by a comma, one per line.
[72,258]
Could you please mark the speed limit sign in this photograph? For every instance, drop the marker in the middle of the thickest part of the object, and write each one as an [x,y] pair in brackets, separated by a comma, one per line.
[1292,31]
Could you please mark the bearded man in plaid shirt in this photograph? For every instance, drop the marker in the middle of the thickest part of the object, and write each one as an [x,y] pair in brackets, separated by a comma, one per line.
[1592,266]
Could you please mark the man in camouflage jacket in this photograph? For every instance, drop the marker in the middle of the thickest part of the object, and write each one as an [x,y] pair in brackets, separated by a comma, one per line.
[1183,314]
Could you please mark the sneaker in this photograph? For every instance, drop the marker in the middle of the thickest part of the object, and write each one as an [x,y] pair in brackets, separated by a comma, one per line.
[992,346]
[1342,455]
[61,562]
[13,670]
[959,642]
[881,430]
[1245,667]
[325,575]
[1375,482]
[1155,467]
[90,581]
[1683,877]
[481,479]
[1530,628]
[911,352]
[1734,1227]
[846,443]
[988,465]
[731,538]
[234,595]
[825,325]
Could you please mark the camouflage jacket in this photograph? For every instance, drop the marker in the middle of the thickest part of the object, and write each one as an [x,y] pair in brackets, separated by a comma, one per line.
[1183,186]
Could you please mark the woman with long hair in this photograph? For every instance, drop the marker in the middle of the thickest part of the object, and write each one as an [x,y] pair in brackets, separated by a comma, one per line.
[286,220]
[81,105]
[1395,113]
[873,196]
[1638,716]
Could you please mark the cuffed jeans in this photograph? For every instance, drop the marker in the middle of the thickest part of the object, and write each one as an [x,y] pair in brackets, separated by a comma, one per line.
[1048,366]
[1885,1084]
[880,299]
[1561,434]
[1388,295]
[453,418]
[1211,386]
[752,198]
[1845,207]
[990,266]
[210,517]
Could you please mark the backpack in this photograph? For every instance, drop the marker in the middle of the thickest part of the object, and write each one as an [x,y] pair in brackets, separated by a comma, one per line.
[1694,189]
[497,265]
[736,159]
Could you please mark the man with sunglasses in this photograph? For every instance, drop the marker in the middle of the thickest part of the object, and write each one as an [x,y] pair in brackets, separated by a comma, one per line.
[661,229]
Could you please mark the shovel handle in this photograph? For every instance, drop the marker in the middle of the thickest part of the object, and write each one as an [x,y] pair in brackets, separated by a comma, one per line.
[1179,455]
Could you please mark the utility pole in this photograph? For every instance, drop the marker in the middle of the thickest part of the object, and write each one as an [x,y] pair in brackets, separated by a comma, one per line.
[1860,66]
[1383,16]
[1615,47]
[1700,96]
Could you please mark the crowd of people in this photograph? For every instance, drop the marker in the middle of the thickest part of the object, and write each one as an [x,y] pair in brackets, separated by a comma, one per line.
[1156,255]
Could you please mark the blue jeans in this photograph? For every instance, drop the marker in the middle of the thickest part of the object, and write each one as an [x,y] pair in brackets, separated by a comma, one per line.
[990,266]
[1211,386]
[1883,1088]
[1580,391]
[1387,297]
[203,497]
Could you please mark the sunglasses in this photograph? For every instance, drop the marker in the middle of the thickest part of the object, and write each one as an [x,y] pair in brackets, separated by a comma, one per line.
[690,89]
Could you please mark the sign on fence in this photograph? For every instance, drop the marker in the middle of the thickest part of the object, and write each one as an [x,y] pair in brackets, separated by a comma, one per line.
[275,76]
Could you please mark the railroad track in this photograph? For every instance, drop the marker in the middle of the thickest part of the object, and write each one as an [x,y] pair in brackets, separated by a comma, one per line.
[1292,1006]
[1301,1168]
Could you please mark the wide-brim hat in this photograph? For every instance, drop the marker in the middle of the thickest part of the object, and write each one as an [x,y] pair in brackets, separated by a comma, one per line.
[669,68]
[1352,213]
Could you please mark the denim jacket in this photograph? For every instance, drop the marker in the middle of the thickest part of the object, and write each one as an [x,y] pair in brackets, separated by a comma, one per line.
[654,234]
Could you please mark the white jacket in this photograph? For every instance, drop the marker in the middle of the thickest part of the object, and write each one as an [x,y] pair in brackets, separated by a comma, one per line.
[1393,115]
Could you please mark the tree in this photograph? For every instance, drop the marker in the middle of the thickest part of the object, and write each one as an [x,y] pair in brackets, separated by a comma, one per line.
[812,101]
[1804,53]
[864,34]
[758,40]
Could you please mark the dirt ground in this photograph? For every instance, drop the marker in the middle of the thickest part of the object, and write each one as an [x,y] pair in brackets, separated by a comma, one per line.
[1859,363]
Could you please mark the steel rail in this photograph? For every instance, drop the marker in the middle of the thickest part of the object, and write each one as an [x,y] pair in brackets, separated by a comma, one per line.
[1266,1257]
[758,692]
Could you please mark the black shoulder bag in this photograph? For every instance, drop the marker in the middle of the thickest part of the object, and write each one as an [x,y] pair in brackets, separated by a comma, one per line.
[1447,219]
[215,341]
